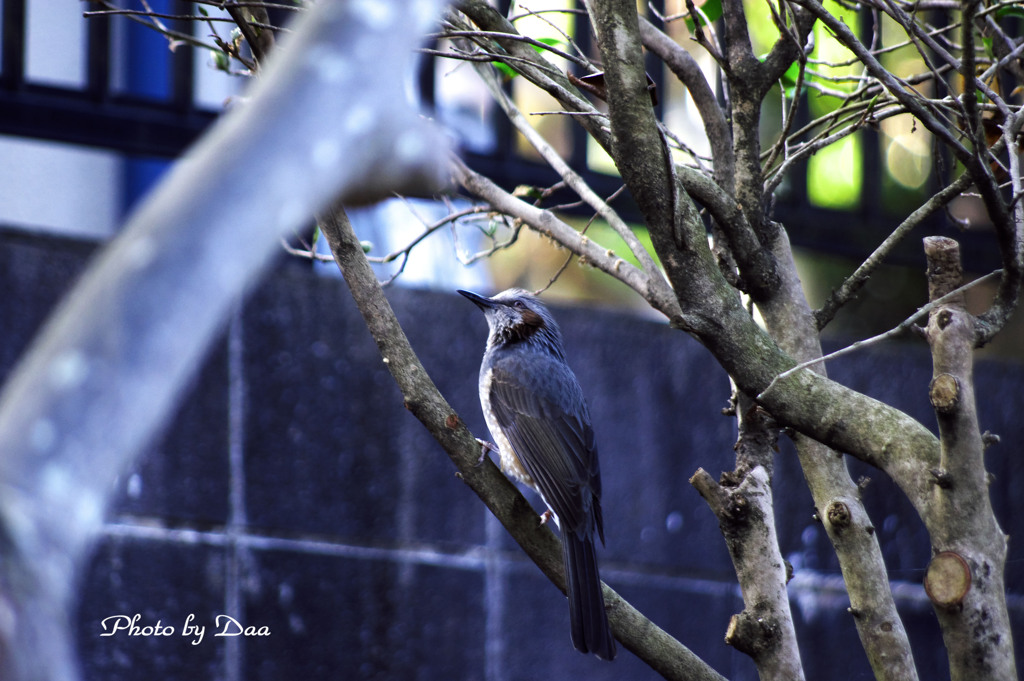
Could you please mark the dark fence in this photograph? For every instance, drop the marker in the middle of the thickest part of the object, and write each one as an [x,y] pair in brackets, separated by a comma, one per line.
[297,501]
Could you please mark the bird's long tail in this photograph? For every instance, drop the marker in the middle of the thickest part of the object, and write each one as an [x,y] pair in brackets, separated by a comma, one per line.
[589,622]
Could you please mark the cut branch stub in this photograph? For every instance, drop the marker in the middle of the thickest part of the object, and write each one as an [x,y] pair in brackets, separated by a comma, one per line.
[948,579]
[729,504]
[943,317]
[750,633]
[942,478]
[944,393]
[944,270]
[739,508]
[838,515]
[717,498]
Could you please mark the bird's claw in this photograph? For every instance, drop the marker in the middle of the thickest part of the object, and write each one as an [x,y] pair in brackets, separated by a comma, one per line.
[545,517]
[485,447]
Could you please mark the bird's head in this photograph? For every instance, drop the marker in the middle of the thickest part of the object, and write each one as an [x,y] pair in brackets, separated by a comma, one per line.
[517,316]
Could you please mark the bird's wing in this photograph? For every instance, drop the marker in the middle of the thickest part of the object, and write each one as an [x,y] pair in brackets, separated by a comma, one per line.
[545,419]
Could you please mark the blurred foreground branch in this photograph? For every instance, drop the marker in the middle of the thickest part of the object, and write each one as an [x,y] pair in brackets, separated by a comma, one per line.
[102,377]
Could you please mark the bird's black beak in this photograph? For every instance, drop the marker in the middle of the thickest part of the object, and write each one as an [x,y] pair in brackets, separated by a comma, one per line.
[478,300]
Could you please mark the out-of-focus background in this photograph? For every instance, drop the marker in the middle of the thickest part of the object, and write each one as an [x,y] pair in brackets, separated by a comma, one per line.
[95,109]
[294,492]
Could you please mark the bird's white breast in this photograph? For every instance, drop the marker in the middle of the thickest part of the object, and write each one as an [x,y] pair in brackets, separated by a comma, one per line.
[509,461]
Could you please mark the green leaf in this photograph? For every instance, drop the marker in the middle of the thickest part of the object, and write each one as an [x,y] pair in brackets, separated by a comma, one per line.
[789,80]
[202,10]
[506,71]
[221,61]
[367,246]
[1010,11]
[871,106]
[987,43]
[550,42]
[712,9]
[525,191]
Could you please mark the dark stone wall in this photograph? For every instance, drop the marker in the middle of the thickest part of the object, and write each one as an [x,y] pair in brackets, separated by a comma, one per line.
[293,492]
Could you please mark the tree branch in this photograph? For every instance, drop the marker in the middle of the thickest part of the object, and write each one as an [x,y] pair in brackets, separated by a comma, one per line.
[894,332]
[114,351]
[748,83]
[641,154]
[906,96]
[1009,233]
[533,65]
[823,410]
[1011,242]
[545,222]
[686,69]
[964,523]
[789,47]
[853,283]
[744,507]
[736,245]
[836,497]
[573,179]
[252,22]
[740,62]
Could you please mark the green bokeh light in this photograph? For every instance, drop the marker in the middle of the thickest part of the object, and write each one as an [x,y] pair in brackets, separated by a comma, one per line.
[834,175]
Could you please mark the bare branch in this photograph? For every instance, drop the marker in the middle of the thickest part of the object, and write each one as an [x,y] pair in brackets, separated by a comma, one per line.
[254,23]
[965,529]
[495,35]
[572,178]
[900,328]
[113,353]
[1011,241]
[543,221]
[788,318]
[689,73]
[700,21]
[909,98]
[533,65]
[788,116]
[141,16]
[853,283]
[743,505]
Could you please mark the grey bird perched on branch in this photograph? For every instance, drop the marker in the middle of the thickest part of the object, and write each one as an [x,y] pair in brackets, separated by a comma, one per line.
[535,410]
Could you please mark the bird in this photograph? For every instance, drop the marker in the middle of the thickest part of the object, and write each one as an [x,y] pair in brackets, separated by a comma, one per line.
[536,413]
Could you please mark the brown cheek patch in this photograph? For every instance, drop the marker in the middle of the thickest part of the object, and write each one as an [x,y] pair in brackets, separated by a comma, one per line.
[532,319]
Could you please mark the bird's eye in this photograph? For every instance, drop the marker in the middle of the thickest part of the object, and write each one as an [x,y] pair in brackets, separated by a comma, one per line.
[518,304]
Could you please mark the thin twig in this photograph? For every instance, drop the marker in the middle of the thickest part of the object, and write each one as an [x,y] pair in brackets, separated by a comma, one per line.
[891,333]
[788,116]
[572,179]
[568,38]
[544,222]
[154,24]
[599,114]
[853,283]
[699,21]
[493,35]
